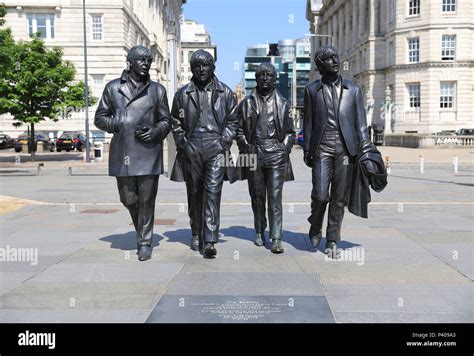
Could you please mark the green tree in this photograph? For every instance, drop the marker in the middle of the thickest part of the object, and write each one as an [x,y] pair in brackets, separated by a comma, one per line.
[6,44]
[37,84]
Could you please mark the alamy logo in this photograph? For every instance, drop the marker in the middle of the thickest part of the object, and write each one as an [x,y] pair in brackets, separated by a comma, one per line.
[248,160]
[14,254]
[37,339]
[352,255]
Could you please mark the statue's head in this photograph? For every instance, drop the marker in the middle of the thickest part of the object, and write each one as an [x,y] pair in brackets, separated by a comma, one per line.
[327,60]
[202,66]
[139,61]
[266,78]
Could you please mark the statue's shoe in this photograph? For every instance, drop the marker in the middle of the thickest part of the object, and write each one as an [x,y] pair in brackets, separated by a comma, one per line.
[259,239]
[209,250]
[277,247]
[195,243]
[144,253]
[331,250]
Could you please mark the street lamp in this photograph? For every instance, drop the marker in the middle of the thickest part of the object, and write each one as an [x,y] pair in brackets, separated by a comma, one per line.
[86,86]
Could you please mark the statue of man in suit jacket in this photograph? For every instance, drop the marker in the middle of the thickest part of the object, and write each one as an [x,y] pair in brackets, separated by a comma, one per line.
[204,126]
[335,127]
[135,109]
[266,130]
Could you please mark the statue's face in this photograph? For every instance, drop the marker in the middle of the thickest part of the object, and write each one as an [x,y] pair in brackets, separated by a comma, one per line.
[203,72]
[330,66]
[266,80]
[140,66]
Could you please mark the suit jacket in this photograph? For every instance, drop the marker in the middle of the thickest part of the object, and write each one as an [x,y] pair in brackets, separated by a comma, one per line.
[185,116]
[248,115]
[351,116]
[128,155]
[369,171]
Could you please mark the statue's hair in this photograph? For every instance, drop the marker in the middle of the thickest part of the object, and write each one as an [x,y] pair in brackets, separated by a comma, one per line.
[323,53]
[137,52]
[201,57]
[265,67]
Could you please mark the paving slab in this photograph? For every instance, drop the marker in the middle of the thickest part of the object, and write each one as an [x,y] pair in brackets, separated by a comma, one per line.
[290,284]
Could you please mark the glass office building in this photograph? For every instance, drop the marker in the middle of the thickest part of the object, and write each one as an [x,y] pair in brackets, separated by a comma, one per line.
[292,62]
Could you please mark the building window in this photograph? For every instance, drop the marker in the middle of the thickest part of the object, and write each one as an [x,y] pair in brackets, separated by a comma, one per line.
[413,7]
[97,27]
[446,95]
[448,47]
[413,50]
[98,79]
[42,23]
[414,95]
[449,5]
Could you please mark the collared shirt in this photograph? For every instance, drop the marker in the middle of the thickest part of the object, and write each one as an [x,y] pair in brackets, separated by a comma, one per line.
[135,86]
[207,121]
[331,94]
[266,122]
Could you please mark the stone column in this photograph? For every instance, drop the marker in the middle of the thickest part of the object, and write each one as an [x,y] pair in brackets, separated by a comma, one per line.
[334,31]
[355,30]
[348,25]
[372,17]
[341,40]
[362,19]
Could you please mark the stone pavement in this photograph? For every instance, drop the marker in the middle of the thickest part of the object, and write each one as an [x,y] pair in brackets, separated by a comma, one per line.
[411,261]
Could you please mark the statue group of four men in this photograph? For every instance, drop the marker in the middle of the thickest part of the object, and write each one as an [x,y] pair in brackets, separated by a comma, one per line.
[205,119]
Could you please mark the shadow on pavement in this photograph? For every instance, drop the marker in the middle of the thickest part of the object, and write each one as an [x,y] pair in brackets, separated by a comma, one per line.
[298,240]
[183,236]
[295,239]
[128,241]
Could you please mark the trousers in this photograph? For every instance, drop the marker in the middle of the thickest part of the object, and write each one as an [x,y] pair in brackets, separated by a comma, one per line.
[204,176]
[331,178]
[138,195]
[267,181]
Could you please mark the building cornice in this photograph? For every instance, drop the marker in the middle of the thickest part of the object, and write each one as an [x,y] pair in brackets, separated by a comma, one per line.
[462,64]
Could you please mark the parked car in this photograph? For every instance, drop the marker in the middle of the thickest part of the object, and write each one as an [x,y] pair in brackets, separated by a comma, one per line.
[6,141]
[48,144]
[465,132]
[300,138]
[71,141]
[444,133]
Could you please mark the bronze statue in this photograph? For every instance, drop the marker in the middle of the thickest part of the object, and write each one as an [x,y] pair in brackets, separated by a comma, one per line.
[335,129]
[204,126]
[135,109]
[266,130]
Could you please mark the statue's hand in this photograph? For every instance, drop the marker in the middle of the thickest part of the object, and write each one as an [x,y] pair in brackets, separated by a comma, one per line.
[308,159]
[116,125]
[149,134]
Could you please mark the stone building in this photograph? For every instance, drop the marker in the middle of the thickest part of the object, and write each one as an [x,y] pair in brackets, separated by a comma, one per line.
[194,36]
[113,27]
[414,59]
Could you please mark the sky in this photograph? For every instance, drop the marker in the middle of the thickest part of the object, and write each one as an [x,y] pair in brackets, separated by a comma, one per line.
[235,24]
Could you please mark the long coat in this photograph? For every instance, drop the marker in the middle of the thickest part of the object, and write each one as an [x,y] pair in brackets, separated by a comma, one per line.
[128,155]
[185,116]
[351,116]
[248,115]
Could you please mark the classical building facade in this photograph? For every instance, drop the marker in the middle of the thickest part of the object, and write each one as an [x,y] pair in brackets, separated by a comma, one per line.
[414,59]
[113,27]
[194,36]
